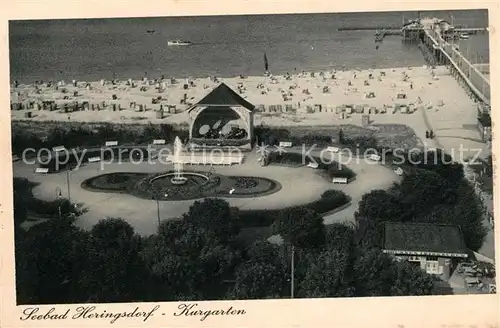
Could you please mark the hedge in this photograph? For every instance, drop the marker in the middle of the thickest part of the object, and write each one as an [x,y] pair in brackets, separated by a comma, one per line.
[330,200]
[87,135]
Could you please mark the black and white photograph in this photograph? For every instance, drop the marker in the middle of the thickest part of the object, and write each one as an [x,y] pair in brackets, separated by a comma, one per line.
[250,157]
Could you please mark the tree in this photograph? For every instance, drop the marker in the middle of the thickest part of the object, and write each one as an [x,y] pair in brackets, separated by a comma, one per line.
[188,261]
[374,273]
[465,212]
[423,189]
[339,237]
[257,279]
[488,166]
[341,137]
[49,264]
[214,215]
[114,271]
[410,280]
[379,205]
[378,274]
[301,227]
[441,163]
[368,233]
[263,251]
[329,276]
[20,211]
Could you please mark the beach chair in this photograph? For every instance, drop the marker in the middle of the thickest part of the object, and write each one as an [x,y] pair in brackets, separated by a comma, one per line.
[272,108]
[365,120]
[309,109]
[289,108]
[279,108]
[317,108]
[261,108]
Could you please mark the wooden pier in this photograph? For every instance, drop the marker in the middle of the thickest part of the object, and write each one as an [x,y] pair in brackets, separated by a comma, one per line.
[467,73]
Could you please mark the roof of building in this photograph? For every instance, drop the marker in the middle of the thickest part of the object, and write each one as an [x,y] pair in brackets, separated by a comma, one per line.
[223,95]
[423,237]
[413,24]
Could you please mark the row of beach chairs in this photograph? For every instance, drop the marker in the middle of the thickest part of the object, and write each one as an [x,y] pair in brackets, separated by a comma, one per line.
[86,106]
[346,108]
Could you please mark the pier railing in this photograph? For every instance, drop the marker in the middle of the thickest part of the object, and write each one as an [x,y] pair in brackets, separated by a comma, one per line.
[471,74]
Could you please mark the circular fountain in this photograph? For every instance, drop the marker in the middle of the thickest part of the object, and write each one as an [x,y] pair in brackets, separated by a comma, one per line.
[179,178]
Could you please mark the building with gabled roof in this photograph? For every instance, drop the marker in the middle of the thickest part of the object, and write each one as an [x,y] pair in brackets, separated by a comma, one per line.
[223,95]
[221,118]
[435,248]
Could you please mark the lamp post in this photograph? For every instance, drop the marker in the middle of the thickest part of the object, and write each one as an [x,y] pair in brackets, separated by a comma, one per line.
[67,182]
[292,264]
[59,196]
[292,274]
[157,199]
[157,209]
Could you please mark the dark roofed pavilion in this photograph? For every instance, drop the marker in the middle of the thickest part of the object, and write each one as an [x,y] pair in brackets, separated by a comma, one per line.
[424,238]
[223,95]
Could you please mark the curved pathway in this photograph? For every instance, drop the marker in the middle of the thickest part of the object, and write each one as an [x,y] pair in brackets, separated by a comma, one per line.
[299,186]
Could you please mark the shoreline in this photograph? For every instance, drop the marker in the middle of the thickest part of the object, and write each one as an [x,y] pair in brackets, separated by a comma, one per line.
[331,68]
[294,99]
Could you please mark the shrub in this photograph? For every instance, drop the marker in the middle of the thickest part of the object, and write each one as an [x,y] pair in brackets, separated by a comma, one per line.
[330,200]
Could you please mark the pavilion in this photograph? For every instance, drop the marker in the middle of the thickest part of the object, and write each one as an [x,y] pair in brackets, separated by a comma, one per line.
[222,118]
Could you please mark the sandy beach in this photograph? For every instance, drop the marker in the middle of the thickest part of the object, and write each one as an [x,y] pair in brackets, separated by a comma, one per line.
[298,95]
[433,98]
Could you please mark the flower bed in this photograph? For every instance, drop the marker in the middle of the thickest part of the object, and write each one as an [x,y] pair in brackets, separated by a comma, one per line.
[120,182]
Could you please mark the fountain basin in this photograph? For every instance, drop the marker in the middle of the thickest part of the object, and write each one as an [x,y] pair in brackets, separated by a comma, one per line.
[178,180]
[192,185]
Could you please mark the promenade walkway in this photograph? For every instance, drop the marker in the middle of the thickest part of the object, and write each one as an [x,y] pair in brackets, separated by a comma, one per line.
[471,73]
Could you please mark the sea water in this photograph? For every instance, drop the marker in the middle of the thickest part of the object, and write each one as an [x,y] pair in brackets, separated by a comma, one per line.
[92,49]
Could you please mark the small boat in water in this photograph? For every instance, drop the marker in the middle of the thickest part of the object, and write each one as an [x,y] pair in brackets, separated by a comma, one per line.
[464,36]
[179,43]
